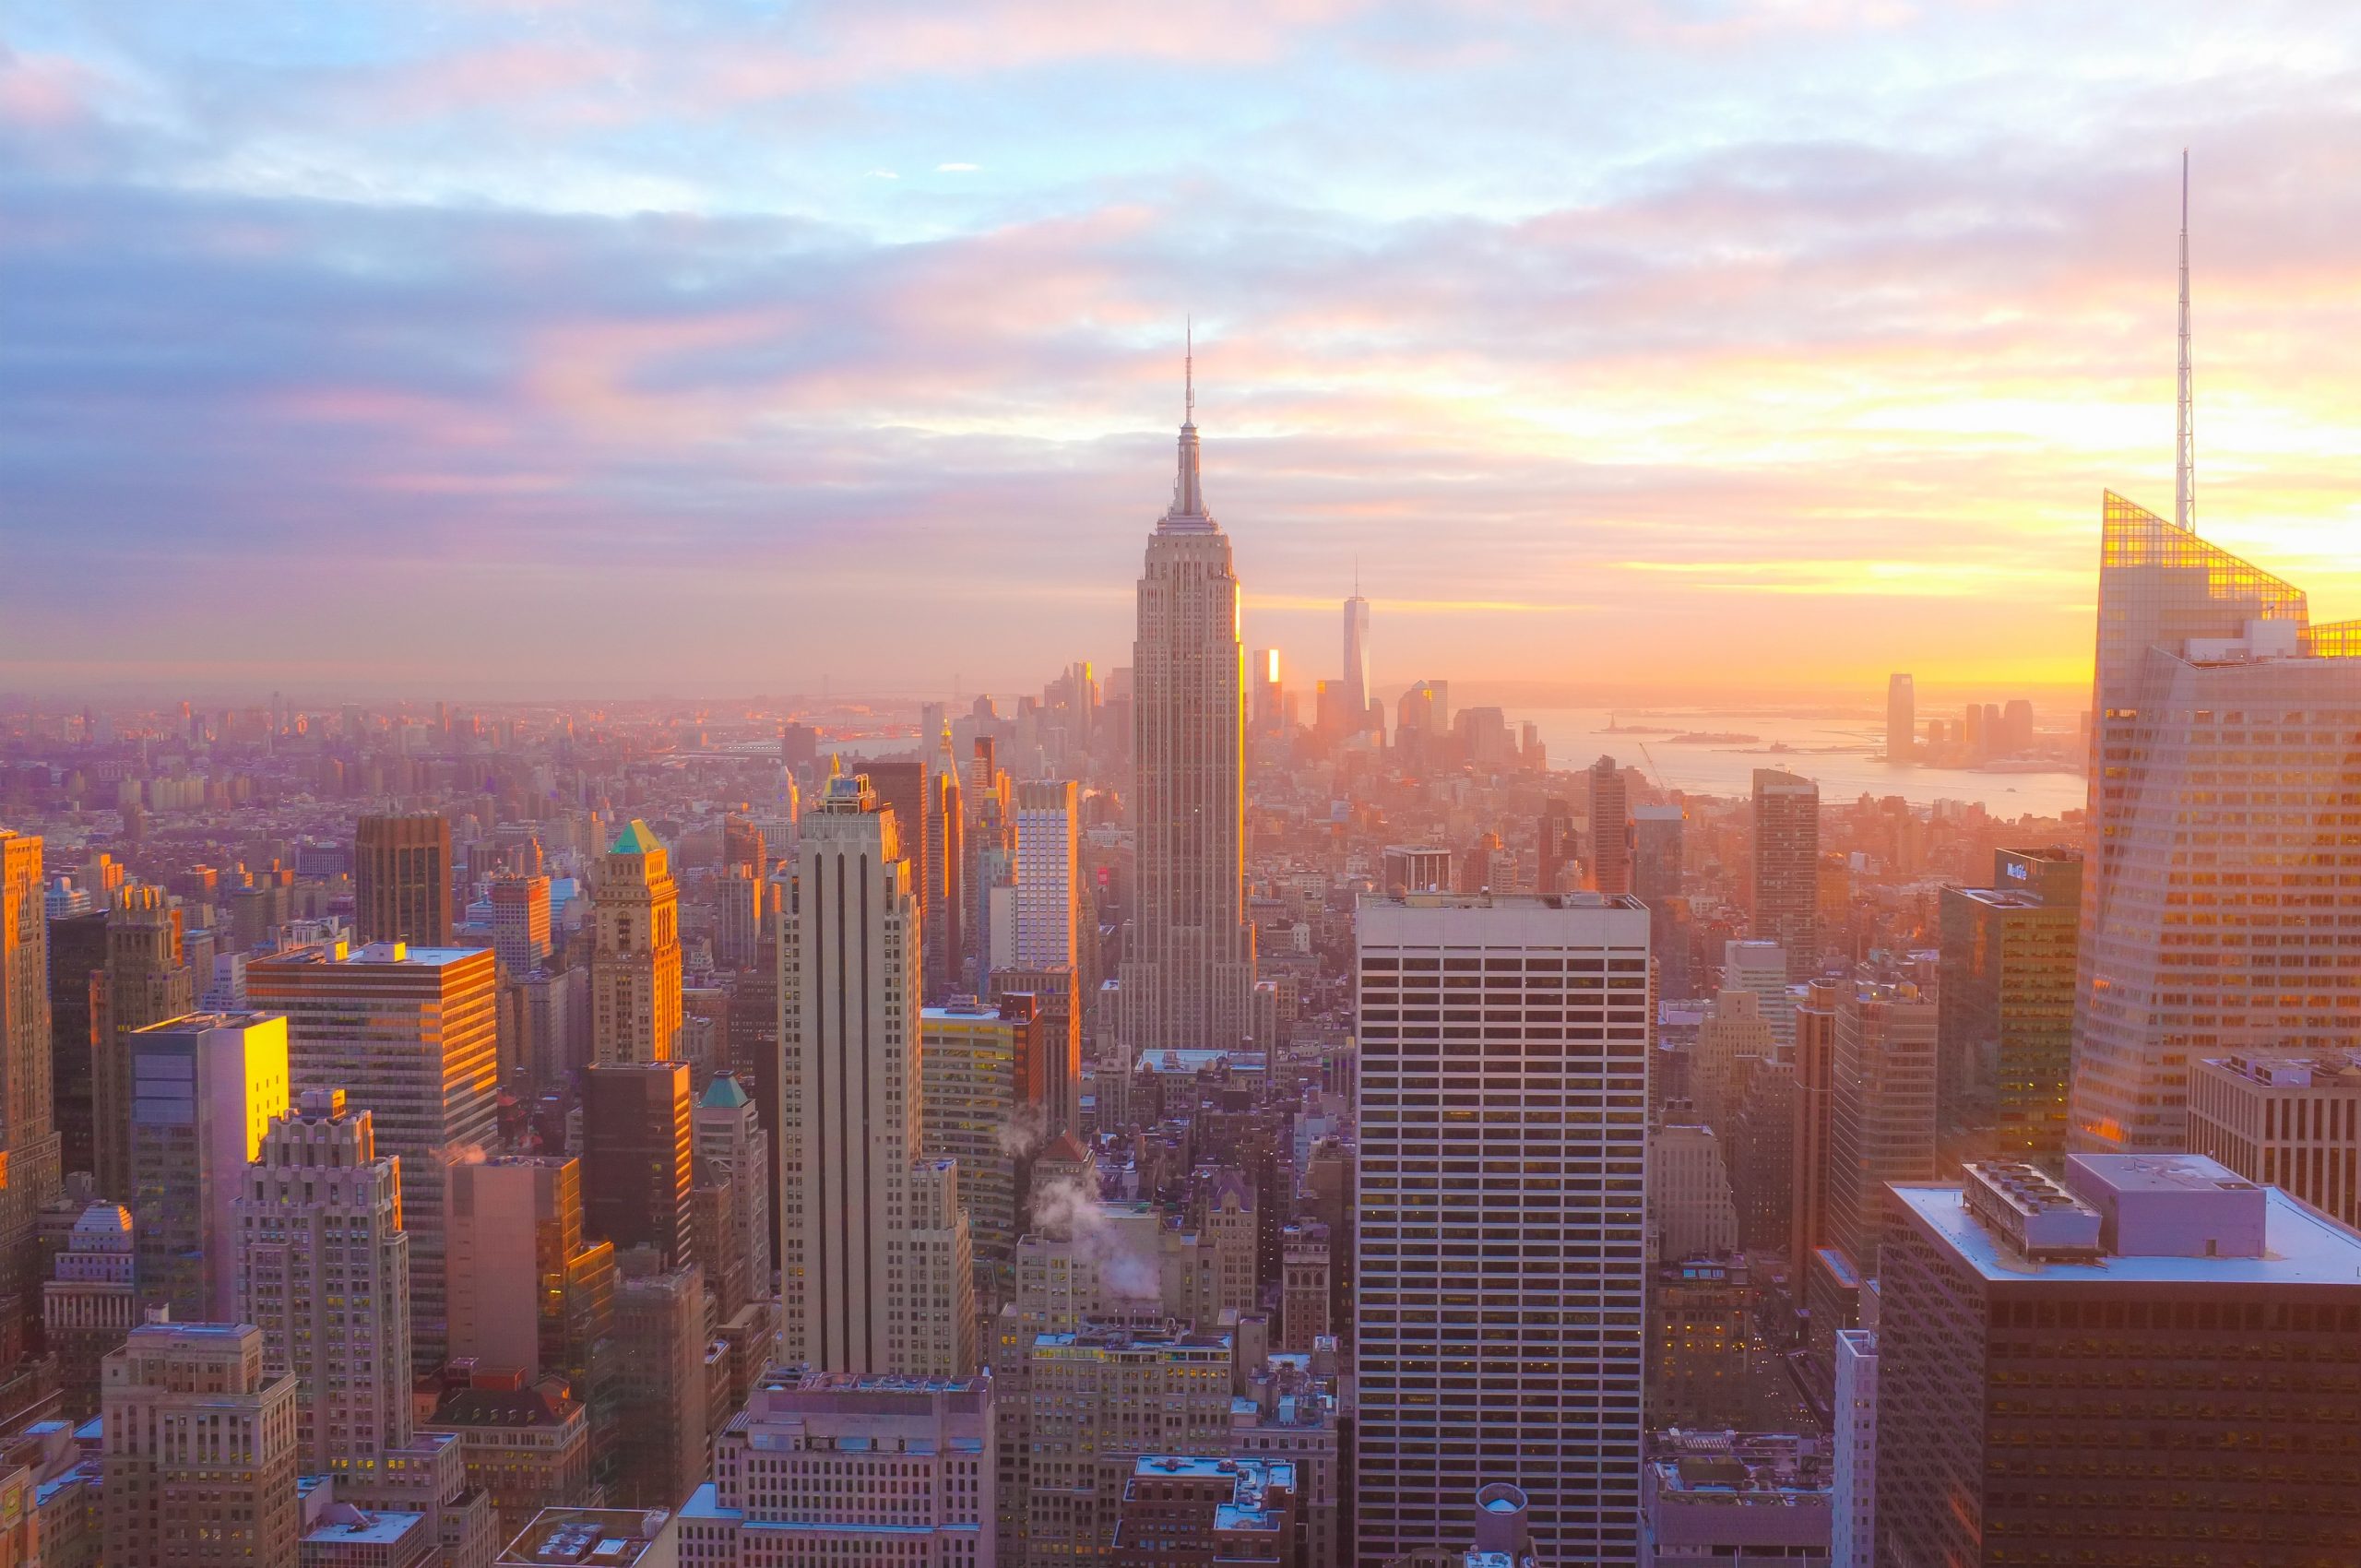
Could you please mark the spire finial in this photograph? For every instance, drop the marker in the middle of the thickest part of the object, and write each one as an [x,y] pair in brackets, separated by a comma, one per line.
[1188,373]
[2185,442]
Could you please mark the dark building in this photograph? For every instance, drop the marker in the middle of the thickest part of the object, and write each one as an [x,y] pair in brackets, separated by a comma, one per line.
[1192,1510]
[1786,868]
[741,845]
[637,1155]
[401,880]
[799,746]
[754,1039]
[1610,830]
[1557,850]
[1762,1152]
[2007,1003]
[2152,1362]
[943,933]
[1058,1033]
[78,961]
[901,786]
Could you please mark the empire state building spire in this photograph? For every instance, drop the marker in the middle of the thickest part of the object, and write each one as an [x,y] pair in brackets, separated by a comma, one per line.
[1188,487]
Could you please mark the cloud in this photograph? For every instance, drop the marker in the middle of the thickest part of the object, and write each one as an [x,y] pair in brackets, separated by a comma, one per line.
[957,168]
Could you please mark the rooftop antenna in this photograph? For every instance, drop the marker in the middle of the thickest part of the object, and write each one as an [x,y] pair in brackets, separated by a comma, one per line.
[1189,359]
[2184,447]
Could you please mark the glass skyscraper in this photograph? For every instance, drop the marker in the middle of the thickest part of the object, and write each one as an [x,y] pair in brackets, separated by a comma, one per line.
[2222,906]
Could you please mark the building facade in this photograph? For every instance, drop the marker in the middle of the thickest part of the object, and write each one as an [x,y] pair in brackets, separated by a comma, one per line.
[1787,867]
[204,1091]
[1447,1276]
[2287,1122]
[402,879]
[202,1451]
[28,1141]
[636,951]
[2007,1004]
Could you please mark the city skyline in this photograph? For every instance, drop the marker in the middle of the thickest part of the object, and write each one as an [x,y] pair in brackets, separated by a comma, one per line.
[510,314]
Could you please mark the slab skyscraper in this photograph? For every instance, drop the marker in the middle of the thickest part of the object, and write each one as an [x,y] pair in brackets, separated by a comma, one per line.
[1188,980]
[29,1145]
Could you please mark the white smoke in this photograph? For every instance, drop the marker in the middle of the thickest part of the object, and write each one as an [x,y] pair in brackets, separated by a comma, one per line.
[1024,1132]
[1069,1210]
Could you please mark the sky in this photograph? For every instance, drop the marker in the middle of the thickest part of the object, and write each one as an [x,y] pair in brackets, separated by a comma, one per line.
[714,346]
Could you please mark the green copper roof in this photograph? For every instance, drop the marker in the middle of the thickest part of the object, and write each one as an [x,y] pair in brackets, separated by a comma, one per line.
[724,1092]
[634,839]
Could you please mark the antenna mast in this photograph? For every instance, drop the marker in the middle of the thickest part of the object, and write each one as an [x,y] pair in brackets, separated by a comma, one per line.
[2185,446]
[1189,356]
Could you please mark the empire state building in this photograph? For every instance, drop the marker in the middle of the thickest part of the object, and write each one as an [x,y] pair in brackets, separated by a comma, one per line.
[1188,980]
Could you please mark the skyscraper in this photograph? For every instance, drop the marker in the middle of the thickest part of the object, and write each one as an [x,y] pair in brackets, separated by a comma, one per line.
[402,879]
[637,1149]
[1901,719]
[202,1451]
[1500,1333]
[635,955]
[528,1290]
[1354,698]
[409,1033]
[1881,1111]
[1189,979]
[520,924]
[2007,1004]
[323,1269]
[148,980]
[89,1304]
[1787,867]
[204,1089]
[986,1106]
[2218,877]
[876,1266]
[1610,830]
[77,962]
[1049,875]
[2173,1345]
[28,1146]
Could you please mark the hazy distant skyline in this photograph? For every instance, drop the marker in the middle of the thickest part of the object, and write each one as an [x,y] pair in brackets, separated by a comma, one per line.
[727,348]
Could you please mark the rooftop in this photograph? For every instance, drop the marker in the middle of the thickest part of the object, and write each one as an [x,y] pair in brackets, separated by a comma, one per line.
[2300,1247]
[634,839]
[602,1537]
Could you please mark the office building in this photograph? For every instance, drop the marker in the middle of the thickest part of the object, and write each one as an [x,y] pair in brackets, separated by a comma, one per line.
[610,1538]
[1610,830]
[1188,975]
[1762,968]
[1733,1500]
[1056,993]
[1815,1109]
[636,951]
[530,1290]
[637,1153]
[89,1304]
[902,790]
[659,1386]
[410,1034]
[1786,868]
[1733,1036]
[1881,1111]
[1415,868]
[849,1469]
[202,1450]
[732,1146]
[1658,854]
[738,898]
[876,1263]
[1354,694]
[524,1444]
[520,924]
[2007,1004]
[148,980]
[29,1176]
[77,962]
[1901,719]
[1691,1213]
[401,880]
[1181,1510]
[2287,1122]
[985,1108]
[1049,875]
[204,1089]
[1099,1398]
[1853,1511]
[323,1269]
[2207,930]
[2154,1360]
[943,950]
[1445,1278]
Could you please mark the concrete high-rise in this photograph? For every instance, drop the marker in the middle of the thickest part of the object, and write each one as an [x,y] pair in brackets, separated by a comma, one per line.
[204,1089]
[29,1176]
[2152,1361]
[1056,990]
[1787,867]
[986,1106]
[876,1264]
[1901,719]
[1049,875]
[2292,1121]
[520,924]
[148,980]
[203,1447]
[636,951]
[89,1304]
[77,962]
[1498,1335]
[402,879]
[528,1290]
[323,1269]
[2206,928]
[1881,1111]
[410,1034]
[733,1149]
[1187,980]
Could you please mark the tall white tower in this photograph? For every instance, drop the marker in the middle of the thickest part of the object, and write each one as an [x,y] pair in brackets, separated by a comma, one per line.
[876,1266]
[1188,980]
[1356,698]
